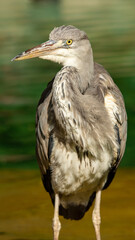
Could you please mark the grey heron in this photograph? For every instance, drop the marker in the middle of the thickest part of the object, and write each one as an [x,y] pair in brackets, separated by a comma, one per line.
[81,127]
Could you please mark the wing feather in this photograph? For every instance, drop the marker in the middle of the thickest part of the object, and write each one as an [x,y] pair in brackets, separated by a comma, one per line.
[114,103]
[43,133]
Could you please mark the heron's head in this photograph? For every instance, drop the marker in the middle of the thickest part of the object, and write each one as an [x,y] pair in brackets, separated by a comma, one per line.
[67,45]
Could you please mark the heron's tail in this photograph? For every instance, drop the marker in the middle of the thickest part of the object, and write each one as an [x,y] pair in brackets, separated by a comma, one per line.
[73,211]
[76,212]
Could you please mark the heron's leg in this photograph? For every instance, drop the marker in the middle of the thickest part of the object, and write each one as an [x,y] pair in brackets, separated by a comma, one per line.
[56,222]
[96,215]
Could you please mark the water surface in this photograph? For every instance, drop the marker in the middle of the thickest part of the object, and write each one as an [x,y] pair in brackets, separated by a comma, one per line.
[26,210]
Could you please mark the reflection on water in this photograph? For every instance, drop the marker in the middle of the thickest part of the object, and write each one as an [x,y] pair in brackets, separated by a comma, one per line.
[110,26]
[27,211]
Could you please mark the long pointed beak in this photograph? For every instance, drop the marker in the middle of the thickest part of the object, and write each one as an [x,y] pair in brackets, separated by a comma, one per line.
[37,51]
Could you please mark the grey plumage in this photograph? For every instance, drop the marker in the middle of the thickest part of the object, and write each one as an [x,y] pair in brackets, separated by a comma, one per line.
[97,116]
[81,126]
[67,32]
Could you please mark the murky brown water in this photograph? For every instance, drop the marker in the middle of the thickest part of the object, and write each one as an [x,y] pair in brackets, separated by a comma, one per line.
[26,211]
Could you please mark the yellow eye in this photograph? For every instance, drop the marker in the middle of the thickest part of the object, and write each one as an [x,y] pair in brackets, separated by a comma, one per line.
[69,42]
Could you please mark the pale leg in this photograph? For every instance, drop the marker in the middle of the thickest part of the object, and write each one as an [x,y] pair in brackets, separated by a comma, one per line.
[56,222]
[96,215]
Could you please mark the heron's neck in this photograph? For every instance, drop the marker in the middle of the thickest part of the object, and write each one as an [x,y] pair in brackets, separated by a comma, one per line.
[86,72]
[85,68]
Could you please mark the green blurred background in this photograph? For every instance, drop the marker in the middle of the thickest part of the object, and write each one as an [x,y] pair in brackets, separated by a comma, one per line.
[110,26]
[25,208]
